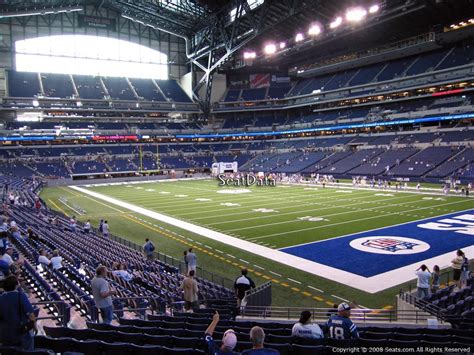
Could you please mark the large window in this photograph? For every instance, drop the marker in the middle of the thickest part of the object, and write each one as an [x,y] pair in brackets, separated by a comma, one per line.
[90,55]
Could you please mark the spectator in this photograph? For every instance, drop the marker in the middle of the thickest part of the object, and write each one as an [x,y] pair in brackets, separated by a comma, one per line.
[122,273]
[190,289]
[103,294]
[3,241]
[229,339]
[105,229]
[4,225]
[435,279]
[72,224]
[464,272]
[305,329]
[257,337]
[87,226]
[38,205]
[423,284]
[456,264]
[241,285]
[191,258]
[101,224]
[148,249]
[7,256]
[340,326]
[186,260]
[17,320]
[43,259]
[57,260]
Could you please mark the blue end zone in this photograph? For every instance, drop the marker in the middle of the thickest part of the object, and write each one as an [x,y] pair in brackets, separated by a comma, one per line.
[390,248]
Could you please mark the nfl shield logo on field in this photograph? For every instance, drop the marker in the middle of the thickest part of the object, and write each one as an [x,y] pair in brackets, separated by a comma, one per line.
[389,245]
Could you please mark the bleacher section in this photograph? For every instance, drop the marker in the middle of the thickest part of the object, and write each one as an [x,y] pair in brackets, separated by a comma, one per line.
[380,72]
[23,84]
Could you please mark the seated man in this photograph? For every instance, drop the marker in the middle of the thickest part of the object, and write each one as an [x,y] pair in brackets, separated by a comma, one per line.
[257,336]
[340,326]
[229,340]
[43,259]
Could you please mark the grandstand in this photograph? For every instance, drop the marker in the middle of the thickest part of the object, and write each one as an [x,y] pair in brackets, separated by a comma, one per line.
[325,147]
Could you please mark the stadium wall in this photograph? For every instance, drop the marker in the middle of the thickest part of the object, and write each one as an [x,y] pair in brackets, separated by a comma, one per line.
[19,28]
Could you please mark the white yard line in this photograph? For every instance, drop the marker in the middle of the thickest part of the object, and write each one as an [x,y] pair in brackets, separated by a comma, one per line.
[322,216]
[350,221]
[371,284]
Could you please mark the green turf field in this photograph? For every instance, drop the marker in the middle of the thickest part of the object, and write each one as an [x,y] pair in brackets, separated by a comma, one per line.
[275,217]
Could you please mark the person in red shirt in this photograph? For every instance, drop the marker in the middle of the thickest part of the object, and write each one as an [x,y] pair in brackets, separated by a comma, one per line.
[37,205]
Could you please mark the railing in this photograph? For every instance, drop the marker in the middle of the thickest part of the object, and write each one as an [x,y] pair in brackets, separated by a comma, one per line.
[60,311]
[358,315]
[141,306]
[257,300]
[424,306]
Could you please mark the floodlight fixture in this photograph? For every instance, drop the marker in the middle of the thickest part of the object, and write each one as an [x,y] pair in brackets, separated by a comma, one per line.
[374,8]
[270,48]
[314,30]
[336,23]
[282,45]
[299,37]
[356,14]
[250,55]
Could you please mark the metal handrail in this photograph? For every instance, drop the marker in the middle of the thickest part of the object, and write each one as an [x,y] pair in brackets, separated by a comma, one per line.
[362,315]
[62,308]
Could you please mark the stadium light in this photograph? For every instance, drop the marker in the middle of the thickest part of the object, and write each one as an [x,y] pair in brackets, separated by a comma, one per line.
[35,103]
[78,103]
[282,45]
[250,55]
[336,23]
[356,14]
[299,37]
[314,30]
[270,48]
[374,8]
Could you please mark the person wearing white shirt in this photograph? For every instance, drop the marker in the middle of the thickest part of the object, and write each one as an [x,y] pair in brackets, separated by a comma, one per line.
[87,226]
[43,259]
[305,329]
[122,273]
[423,284]
[56,260]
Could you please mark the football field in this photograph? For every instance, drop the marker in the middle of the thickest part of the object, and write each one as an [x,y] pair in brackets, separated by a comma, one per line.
[358,238]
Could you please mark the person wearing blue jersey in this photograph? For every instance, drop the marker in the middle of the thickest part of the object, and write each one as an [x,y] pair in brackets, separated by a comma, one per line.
[340,326]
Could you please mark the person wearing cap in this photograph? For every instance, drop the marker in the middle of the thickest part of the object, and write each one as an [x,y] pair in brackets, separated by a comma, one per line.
[340,326]
[305,329]
[229,339]
[257,337]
